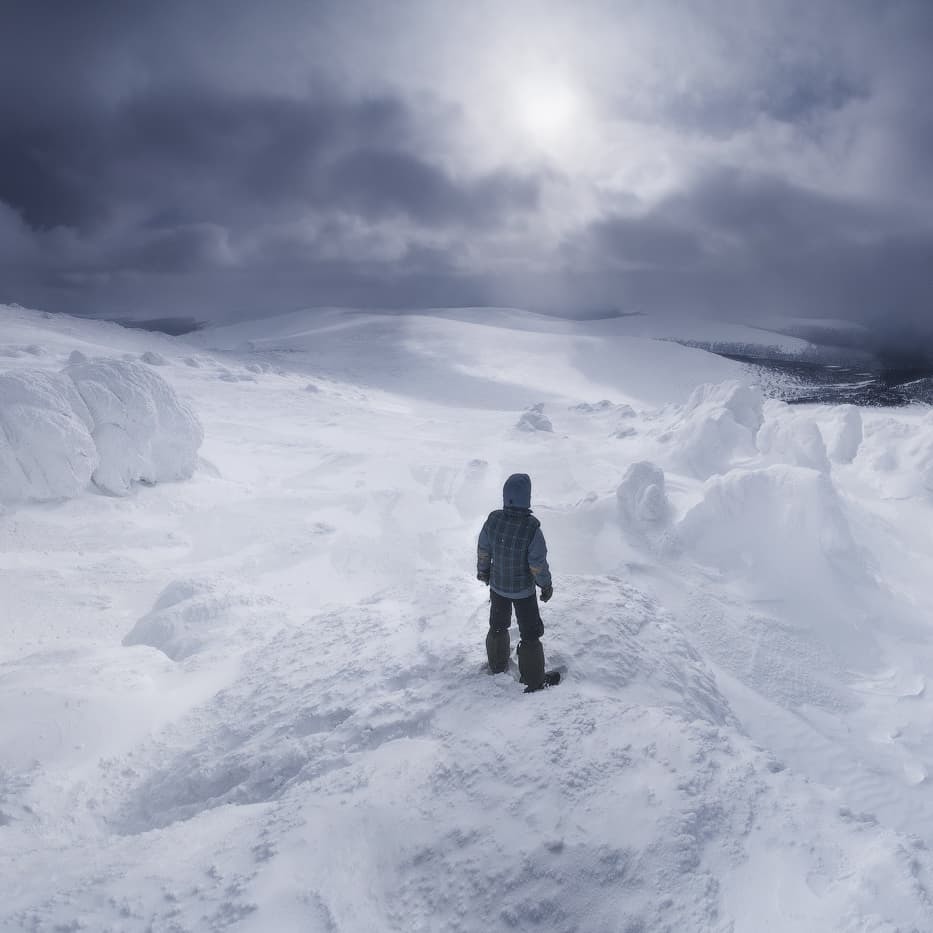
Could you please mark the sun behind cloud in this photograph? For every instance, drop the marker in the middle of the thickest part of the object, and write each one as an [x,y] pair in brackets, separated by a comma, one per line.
[546,108]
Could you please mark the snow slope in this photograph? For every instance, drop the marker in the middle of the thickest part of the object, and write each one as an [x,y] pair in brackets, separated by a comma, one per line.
[254,699]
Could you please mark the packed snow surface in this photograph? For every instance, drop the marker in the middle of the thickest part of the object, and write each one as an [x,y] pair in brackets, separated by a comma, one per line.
[257,699]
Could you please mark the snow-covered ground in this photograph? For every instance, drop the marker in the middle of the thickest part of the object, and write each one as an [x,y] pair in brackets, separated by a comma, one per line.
[255,698]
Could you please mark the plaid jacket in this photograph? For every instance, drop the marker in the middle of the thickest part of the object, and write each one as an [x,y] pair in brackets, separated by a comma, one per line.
[511,544]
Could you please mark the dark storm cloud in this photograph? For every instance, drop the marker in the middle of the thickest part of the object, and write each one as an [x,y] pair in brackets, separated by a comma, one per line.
[158,165]
[218,158]
[175,251]
[379,182]
[627,243]
[197,155]
[741,245]
[195,169]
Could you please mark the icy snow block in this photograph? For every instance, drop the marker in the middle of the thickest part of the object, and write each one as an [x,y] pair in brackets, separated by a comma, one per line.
[46,448]
[795,441]
[143,431]
[744,403]
[642,495]
[534,419]
[718,424]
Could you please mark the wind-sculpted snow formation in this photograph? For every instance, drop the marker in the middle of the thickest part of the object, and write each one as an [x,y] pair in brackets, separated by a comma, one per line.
[642,496]
[142,430]
[257,700]
[113,422]
[718,424]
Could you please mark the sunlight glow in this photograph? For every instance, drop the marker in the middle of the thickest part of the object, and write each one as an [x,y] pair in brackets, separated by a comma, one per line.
[546,108]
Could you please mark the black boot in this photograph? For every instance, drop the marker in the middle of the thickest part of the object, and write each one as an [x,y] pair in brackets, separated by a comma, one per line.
[531,664]
[498,649]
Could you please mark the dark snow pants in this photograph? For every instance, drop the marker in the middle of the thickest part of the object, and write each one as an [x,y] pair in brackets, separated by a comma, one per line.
[530,627]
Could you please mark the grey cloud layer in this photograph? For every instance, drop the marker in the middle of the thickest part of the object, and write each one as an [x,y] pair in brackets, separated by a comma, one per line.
[213,159]
[732,240]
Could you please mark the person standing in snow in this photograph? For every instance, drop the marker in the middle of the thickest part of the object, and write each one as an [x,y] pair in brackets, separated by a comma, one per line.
[511,558]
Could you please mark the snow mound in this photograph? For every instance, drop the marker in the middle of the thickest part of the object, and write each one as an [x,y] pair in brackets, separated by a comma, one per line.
[718,424]
[793,440]
[153,358]
[110,422]
[534,419]
[191,615]
[603,406]
[76,356]
[589,408]
[46,449]
[782,525]
[307,707]
[899,456]
[642,496]
[142,430]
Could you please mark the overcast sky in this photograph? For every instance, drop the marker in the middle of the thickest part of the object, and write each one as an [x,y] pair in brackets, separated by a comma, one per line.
[236,158]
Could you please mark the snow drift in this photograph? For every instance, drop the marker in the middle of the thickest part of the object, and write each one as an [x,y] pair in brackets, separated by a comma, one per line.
[110,422]
[192,615]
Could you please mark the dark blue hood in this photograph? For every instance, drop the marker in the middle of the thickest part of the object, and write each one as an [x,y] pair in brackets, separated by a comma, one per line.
[516,493]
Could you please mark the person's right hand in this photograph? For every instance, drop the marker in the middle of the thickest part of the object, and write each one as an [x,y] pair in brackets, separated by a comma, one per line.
[483,576]
[546,593]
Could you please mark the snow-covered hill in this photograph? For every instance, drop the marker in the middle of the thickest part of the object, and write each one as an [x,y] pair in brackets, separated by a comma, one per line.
[255,699]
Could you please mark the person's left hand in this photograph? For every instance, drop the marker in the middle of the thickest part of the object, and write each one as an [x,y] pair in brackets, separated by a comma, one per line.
[546,593]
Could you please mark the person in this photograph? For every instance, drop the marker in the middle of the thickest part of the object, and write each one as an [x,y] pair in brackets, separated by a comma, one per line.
[511,558]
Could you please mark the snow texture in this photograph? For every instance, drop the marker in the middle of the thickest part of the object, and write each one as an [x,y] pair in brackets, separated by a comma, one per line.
[258,700]
[46,449]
